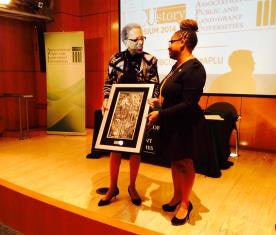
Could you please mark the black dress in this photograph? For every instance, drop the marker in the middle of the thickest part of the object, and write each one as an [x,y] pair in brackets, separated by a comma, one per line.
[181,118]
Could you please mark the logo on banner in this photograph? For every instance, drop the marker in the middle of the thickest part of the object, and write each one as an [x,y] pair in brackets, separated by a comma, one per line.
[76,54]
[164,19]
[164,15]
[266,13]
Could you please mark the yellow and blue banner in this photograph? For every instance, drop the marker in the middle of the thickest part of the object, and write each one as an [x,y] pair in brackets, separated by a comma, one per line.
[65,69]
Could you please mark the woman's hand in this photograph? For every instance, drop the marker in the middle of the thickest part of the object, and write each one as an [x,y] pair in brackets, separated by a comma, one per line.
[153,102]
[104,106]
[152,118]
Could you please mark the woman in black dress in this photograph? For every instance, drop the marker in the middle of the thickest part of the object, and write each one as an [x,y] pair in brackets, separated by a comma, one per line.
[180,116]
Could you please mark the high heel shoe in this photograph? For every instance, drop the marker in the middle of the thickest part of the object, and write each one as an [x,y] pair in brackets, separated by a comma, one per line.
[135,201]
[176,221]
[105,202]
[170,208]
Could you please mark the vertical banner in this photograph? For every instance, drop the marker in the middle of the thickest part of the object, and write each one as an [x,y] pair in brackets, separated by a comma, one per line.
[65,82]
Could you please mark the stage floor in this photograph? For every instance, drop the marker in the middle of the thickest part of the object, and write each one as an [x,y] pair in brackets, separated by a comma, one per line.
[241,201]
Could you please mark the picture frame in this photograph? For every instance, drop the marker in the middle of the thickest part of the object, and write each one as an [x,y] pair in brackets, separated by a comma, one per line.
[123,125]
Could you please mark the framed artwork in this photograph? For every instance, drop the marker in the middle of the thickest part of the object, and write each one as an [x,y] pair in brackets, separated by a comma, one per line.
[123,125]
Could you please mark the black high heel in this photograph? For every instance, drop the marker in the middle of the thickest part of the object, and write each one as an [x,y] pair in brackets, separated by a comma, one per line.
[135,201]
[170,208]
[105,202]
[176,221]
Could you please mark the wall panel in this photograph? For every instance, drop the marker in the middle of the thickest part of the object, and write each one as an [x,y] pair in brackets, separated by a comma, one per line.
[257,126]
[16,45]
[114,35]
[97,43]
[67,7]
[41,99]
[235,101]
[203,102]
[258,123]
[94,95]
[17,69]
[94,7]
[114,5]
[94,51]
[94,77]
[64,22]
[98,26]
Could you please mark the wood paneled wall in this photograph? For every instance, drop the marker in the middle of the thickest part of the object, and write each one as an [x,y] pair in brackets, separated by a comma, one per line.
[257,126]
[99,20]
[17,68]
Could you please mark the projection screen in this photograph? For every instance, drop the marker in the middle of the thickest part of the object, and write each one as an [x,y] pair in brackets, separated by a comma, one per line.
[237,40]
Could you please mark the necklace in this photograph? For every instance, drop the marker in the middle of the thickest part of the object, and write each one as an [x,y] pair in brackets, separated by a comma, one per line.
[174,70]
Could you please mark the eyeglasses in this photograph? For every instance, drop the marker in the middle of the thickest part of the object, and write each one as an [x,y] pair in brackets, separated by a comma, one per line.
[143,38]
[173,41]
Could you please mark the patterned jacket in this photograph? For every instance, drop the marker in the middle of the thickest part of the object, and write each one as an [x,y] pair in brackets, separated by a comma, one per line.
[146,74]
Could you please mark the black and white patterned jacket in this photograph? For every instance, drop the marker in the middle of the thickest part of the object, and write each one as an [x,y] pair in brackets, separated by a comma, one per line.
[147,73]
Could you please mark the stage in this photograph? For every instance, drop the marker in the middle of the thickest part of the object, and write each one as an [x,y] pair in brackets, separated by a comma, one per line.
[50,173]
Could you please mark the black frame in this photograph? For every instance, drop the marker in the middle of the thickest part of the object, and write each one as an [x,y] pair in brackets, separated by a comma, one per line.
[123,125]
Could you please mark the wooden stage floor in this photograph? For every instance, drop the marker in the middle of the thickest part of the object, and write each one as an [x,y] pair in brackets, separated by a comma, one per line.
[241,201]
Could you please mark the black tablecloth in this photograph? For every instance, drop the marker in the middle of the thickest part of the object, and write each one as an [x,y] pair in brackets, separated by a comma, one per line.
[215,156]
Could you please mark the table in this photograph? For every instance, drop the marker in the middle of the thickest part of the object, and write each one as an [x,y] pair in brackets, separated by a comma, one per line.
[21,98]
[218,137]
[211,155]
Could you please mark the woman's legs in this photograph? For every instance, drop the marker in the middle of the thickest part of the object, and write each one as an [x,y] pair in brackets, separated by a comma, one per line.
[115,162]
[185,175]
[114,166]
[176,186]
[134,164]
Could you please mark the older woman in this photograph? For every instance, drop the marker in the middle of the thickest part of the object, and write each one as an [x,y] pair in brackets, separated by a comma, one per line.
[181,116]
[130,66]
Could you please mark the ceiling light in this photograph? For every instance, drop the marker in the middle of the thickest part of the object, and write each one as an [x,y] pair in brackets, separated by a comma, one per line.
[6,2]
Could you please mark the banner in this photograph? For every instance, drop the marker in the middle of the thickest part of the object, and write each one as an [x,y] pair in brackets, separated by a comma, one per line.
[65,68]
[236,40]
